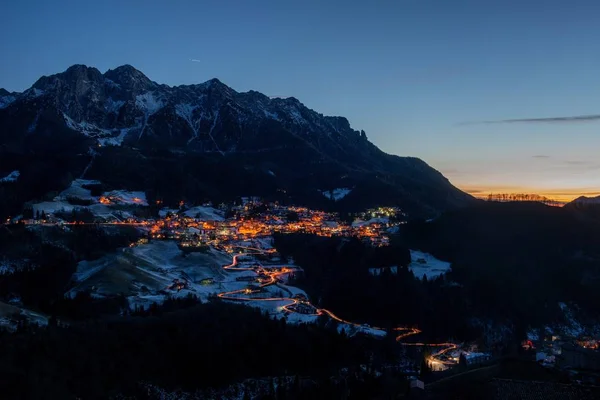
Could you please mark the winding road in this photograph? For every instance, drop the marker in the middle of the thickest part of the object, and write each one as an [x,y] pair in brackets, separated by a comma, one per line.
[273,279]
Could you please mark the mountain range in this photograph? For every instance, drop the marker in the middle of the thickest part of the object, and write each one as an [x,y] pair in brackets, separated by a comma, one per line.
[202,142]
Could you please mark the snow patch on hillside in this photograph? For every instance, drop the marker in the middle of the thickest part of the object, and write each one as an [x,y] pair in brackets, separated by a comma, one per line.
[53,207]
[352,330]
[359,222]
[85,127]
[111,83]
[8,266]
[77,190]
[10,314]
[296,116]
[12,177]
[186,112]
[426,264]
[113,106]
[33,126]
[271,115]
[205,213]
[573,327]
[5,101]
[148,103]
[124,197]
[163,212]
[115,140]
[336,194]
[35,92]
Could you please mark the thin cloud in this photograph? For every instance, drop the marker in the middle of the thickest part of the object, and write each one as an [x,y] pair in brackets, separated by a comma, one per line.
[477,191]
[577,162]
[550,120]
[540,156]
[195,60]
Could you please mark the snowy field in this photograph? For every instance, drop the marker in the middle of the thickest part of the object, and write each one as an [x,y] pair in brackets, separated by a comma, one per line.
[163,212]
[141,272]
[205,213]
[52,207]
[124,197]
[78,191]
[9,266]
[12,177]
[421,264]
[146,274]
[336,194]
[359,222]
[9,314]
[426,264]
[352,330]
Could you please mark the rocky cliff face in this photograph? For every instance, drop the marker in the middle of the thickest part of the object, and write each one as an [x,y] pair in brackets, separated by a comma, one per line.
[82,109]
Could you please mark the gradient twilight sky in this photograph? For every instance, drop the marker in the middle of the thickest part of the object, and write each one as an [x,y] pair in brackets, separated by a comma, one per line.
[414,74]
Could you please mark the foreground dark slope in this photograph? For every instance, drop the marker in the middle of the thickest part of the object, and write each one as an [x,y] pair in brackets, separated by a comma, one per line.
[517,259]
[205,141]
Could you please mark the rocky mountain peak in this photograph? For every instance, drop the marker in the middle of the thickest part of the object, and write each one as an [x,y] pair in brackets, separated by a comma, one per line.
[74,77]
[214,85]
[6,98]
[129,78]
[80,71]
[81,109]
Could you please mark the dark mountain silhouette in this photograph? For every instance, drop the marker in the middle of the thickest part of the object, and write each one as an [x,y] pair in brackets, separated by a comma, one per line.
[207,140]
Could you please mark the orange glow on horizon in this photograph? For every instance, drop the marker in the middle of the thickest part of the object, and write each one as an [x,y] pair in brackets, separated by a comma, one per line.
[560,195]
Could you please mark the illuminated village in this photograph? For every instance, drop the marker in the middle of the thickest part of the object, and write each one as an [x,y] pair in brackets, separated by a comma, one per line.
[241,235]
[249,225]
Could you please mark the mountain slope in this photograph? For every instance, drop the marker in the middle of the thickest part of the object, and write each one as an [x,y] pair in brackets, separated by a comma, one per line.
[250,143]
[587,208]
[584,200]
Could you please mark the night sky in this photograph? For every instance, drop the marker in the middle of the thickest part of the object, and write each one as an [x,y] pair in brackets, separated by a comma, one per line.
[484,91]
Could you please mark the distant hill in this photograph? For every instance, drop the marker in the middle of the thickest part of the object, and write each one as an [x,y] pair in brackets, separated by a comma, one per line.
[203,141]
[501,230]
[516,256]
[585,207]
[511,197]
[584,200]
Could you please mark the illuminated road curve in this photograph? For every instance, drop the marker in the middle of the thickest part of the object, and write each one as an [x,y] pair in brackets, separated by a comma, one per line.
[238,295]
[234,295]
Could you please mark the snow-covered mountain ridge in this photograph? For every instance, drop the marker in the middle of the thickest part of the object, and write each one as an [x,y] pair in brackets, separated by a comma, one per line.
[213,140]
[124,105]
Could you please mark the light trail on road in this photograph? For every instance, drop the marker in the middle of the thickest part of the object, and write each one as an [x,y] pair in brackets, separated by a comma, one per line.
[234,295]
[273,279]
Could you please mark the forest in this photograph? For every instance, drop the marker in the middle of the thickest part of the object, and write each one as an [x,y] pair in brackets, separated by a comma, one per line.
[336,275]
[517,260]
[180,345]
[512,263]
[44,262]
